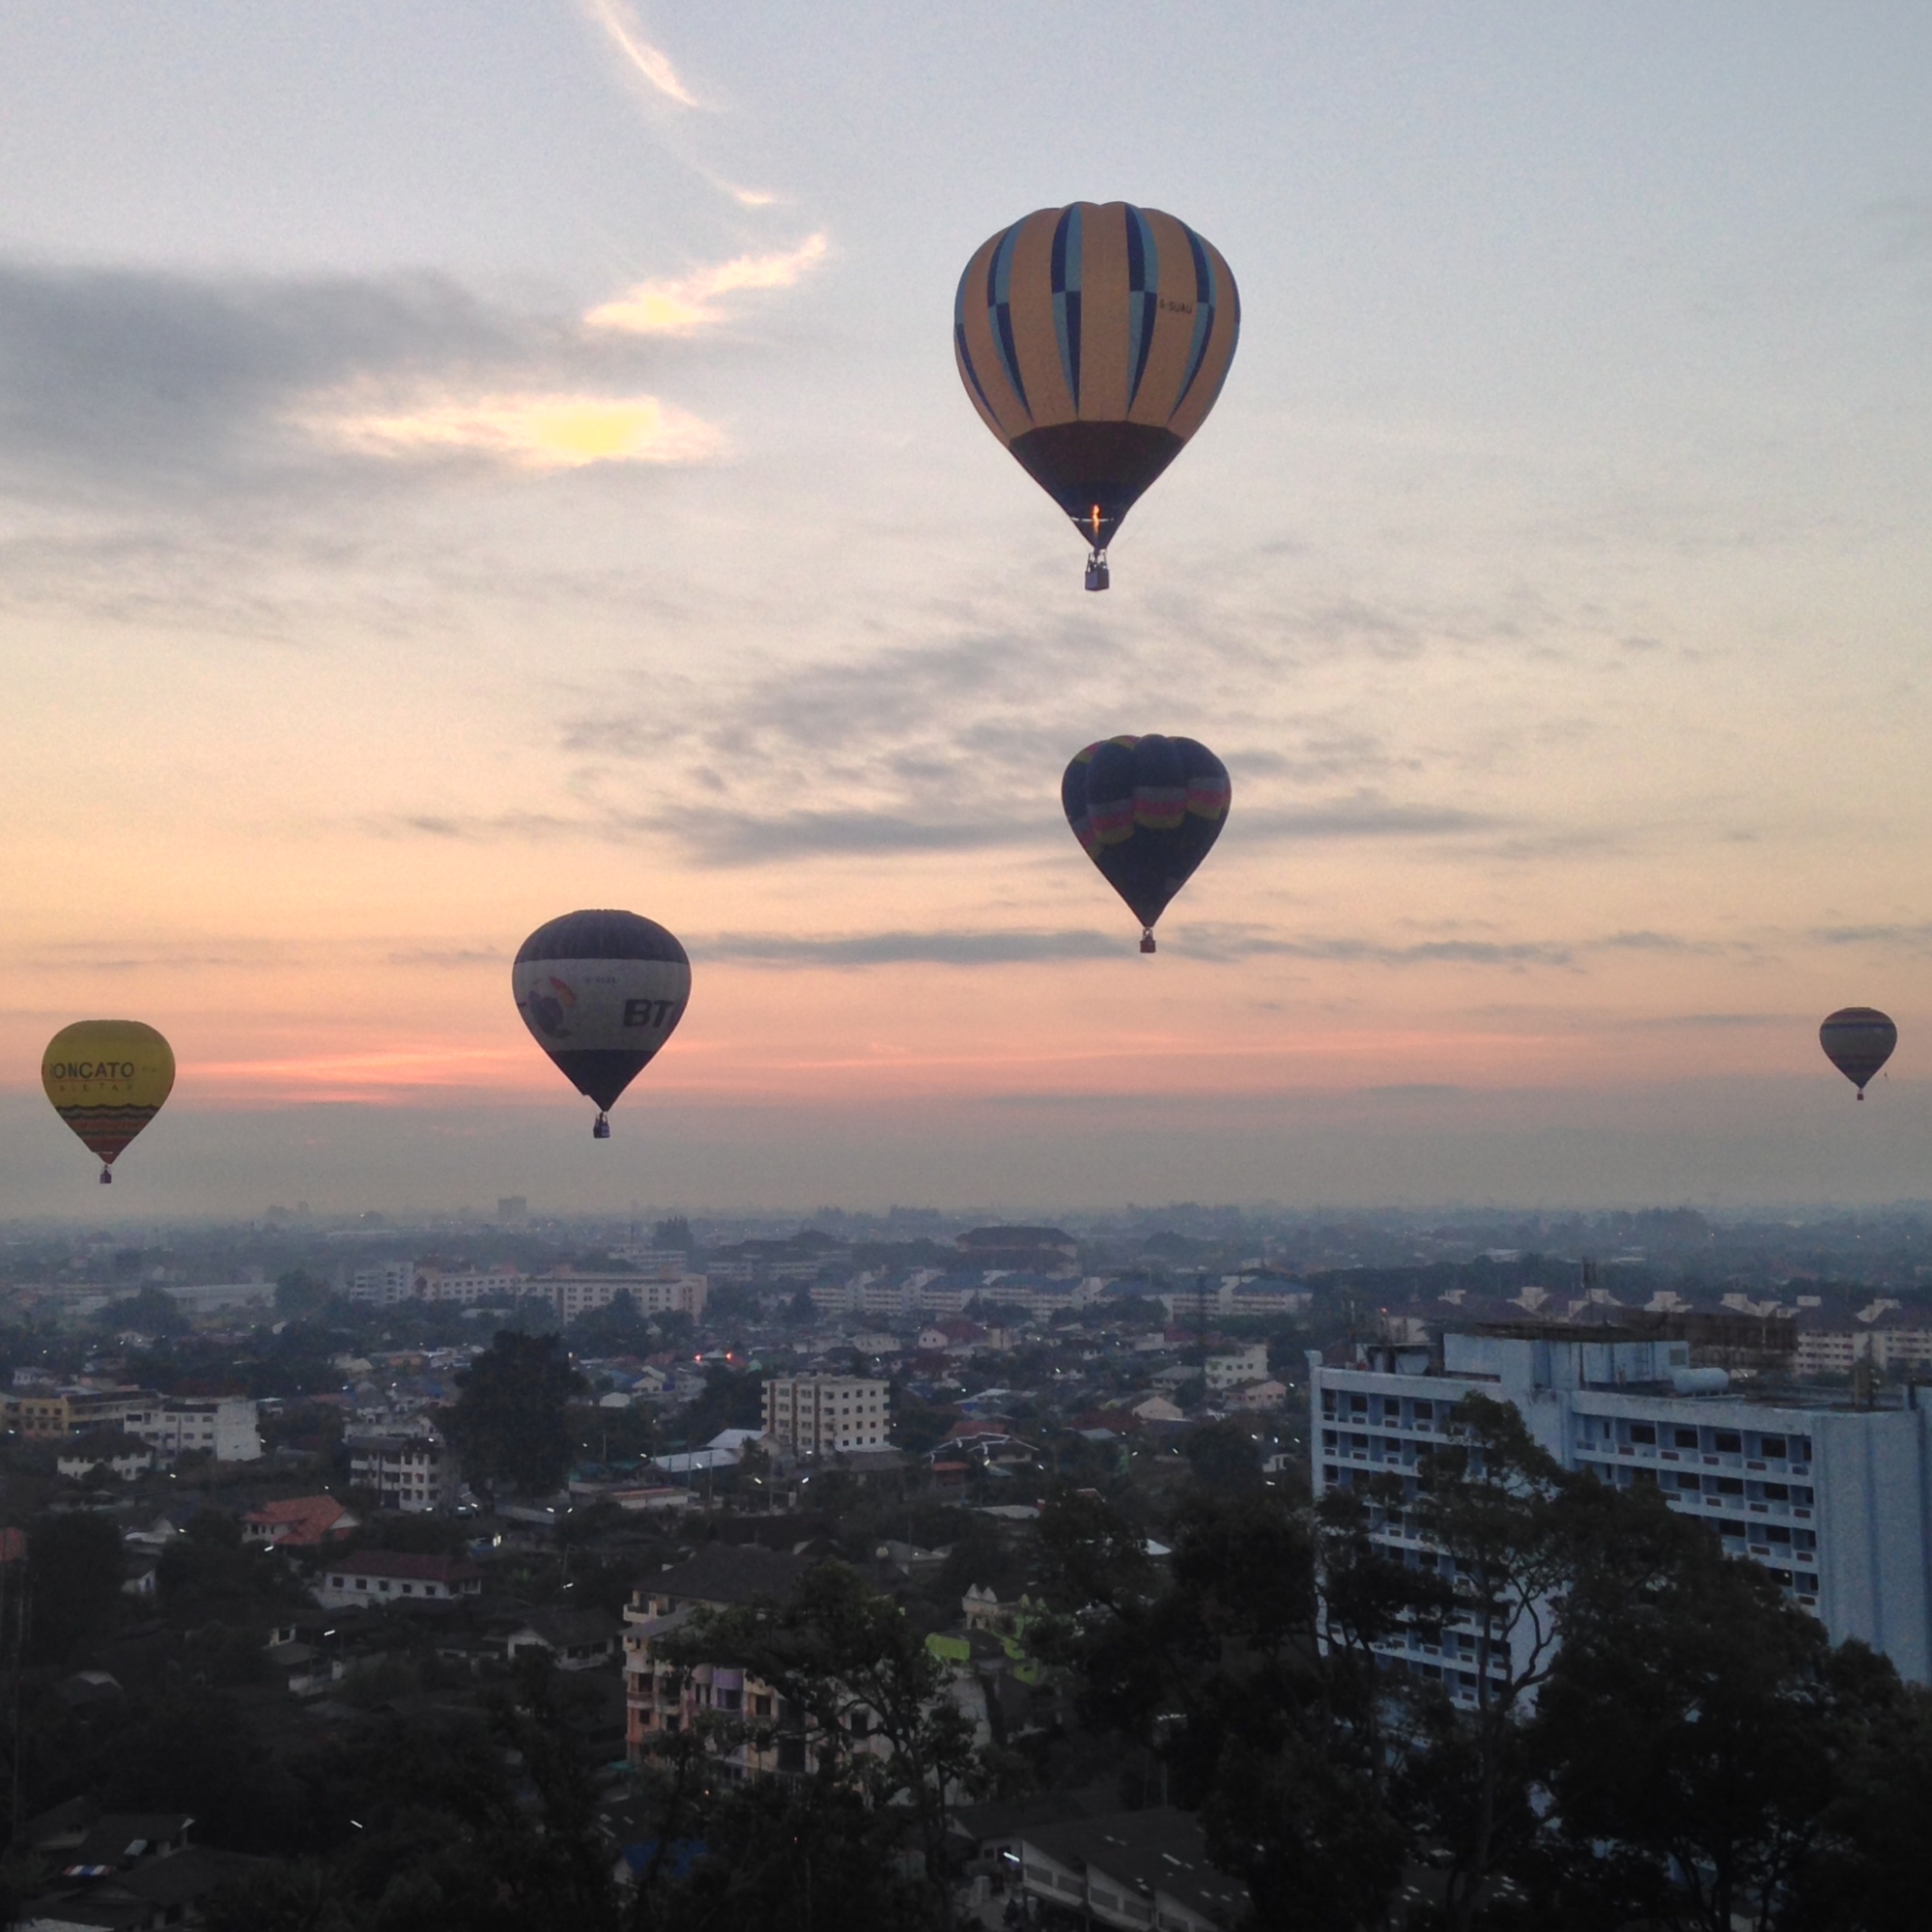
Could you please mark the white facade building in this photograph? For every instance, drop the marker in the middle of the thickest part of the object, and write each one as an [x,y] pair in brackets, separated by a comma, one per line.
[224,1425]
[575,1294]
[1836,1502]
[1826,1351]
[411,1474]
[384,1284]
[1232,1367]
[817,1415]
[472,1289]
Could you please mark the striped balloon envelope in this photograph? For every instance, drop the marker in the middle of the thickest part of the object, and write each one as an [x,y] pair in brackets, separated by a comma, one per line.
[1147,811]
[108,1079]
[1094,340]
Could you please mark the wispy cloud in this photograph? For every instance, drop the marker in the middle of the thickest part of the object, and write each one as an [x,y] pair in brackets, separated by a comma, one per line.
[897,948]
[535,432]
[684,304]
[649,64]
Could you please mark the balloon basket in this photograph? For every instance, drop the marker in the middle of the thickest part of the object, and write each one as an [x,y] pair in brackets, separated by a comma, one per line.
[1146,942]
[602,1130]
[107,1175]
[1097,578]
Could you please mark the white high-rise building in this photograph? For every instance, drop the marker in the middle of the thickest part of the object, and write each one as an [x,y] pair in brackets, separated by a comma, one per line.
[817,1415]
[1836,1503]
[384,1284]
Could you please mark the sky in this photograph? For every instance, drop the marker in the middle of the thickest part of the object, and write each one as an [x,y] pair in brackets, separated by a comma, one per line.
[462,463]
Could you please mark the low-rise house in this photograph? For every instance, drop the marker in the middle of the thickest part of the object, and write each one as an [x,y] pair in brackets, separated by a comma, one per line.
[573,1639]
[1262,1397]
[300,1523]
[124,1456]
[395,1575]
[1141,1871]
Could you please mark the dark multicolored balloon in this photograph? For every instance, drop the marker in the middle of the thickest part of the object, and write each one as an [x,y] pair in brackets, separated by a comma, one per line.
[1094,340]
[1147,811]
[600,992]
[1857,1040]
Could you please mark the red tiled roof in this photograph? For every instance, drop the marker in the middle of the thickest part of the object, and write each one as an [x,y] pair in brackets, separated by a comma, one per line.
[300,1518]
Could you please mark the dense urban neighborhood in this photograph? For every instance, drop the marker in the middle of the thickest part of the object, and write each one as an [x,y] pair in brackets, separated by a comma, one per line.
[1184,1570]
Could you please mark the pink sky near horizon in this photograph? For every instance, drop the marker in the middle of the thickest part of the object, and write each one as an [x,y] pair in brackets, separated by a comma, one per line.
[489,484]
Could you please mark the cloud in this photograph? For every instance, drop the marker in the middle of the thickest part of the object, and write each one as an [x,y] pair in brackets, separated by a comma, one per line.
[684,304]
[739,839]
[893,949]
[534,432]
[1363,814]
[652,64]
[1909,938]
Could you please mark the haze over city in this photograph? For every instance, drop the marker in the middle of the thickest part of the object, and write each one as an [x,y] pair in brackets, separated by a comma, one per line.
[462,465]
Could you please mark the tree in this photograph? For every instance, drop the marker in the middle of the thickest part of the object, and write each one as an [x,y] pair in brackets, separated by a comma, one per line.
[617,1328]
[1223,1457]
[1691,1729]
[299,1294]
[886,1751]
[73,1583]
[149,1310]
[508,1422]
[1488,1508]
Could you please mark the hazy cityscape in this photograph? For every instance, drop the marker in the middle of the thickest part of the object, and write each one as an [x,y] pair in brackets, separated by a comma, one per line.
[962,967]
[545,1570]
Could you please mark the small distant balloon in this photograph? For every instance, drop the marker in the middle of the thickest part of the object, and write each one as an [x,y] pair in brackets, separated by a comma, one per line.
[1147,811]
[600,992]
[108,1079]
[1857,1040]
[1094,340]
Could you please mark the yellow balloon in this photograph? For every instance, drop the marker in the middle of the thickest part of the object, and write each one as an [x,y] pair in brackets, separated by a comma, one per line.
[108,1079]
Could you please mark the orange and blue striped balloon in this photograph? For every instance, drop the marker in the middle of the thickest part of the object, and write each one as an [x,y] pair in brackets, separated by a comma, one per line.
[1094,340]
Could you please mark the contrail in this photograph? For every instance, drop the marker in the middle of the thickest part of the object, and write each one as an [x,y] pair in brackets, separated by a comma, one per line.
[621,27]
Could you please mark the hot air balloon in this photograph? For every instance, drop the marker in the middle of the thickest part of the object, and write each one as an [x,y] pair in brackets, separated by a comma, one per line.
[1145,811]
[108,1079]
[601,991]
[1857,1040]
[1094,341]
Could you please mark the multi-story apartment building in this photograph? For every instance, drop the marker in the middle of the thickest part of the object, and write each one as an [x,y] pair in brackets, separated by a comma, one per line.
[1237,1294]
[660,1701]
[46,1413]
[820,1415]
[223,1425]
[575,1294]
[385,1282]
[411,1474]
[470,1288]
[1835,1501]
[1230,1368]
[1884,1348]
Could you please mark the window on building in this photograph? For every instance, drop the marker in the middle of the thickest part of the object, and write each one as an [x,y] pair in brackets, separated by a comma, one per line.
[1770,1445]
[1643,1432]
[1727,1442]
[1728,1486]
[1684,1439]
